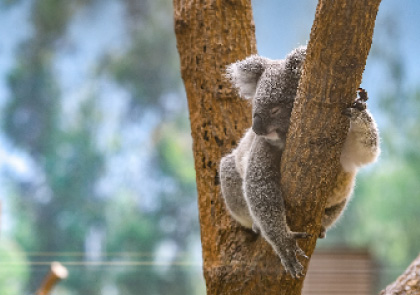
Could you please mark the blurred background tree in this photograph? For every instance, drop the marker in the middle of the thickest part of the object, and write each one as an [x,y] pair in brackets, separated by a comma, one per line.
[89,198]
[96,165]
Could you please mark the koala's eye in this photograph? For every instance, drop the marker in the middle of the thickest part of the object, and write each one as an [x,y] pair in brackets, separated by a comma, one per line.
[275,110]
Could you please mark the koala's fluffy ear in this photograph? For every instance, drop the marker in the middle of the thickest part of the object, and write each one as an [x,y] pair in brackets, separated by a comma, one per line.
[295,59]
[244,74]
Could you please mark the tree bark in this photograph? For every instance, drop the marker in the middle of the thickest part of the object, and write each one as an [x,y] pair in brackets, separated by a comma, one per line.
[210,35]
[408,283]
[339,44]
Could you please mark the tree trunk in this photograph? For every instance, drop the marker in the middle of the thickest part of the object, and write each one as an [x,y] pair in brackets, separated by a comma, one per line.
[210,35]
[339,44]
[408,283]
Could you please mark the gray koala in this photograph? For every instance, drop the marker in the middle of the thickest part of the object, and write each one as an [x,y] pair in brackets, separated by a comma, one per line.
[250,174]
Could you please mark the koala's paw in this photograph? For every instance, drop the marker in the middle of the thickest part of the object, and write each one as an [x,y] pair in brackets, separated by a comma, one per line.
[322,232]
[358,106]
[290,251]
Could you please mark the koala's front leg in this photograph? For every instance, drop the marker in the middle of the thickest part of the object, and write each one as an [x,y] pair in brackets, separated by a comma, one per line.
[266,204]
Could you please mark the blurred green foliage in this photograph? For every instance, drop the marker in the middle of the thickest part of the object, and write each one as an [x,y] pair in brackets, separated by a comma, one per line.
[61,208]
[17,271]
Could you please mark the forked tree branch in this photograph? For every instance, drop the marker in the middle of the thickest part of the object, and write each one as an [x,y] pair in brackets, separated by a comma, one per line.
[212,34]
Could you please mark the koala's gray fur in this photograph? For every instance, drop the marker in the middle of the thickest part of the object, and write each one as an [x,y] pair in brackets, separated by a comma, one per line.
[250,175]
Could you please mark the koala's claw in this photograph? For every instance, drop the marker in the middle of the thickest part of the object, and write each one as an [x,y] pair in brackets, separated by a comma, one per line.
[359,104]
[290,251]
[255,229]
[301,253]
[363,95]
[292,266]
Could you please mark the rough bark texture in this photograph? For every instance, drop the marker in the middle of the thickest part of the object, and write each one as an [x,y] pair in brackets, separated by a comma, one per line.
[211,35]
[214,33]
[339,44]
[408,283]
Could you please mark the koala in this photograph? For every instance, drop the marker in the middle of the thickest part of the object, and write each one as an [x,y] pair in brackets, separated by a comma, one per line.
[250,174]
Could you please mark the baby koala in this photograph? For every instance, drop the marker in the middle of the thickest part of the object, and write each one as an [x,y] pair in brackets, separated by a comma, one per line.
[250,174]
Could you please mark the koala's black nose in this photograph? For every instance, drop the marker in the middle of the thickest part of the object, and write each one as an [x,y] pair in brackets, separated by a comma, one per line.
[257,125]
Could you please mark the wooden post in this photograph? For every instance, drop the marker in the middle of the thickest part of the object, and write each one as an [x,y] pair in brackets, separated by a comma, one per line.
[57,273]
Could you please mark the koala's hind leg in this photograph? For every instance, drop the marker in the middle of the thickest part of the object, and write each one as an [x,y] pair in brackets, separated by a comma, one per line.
[330,216]
[232,192]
